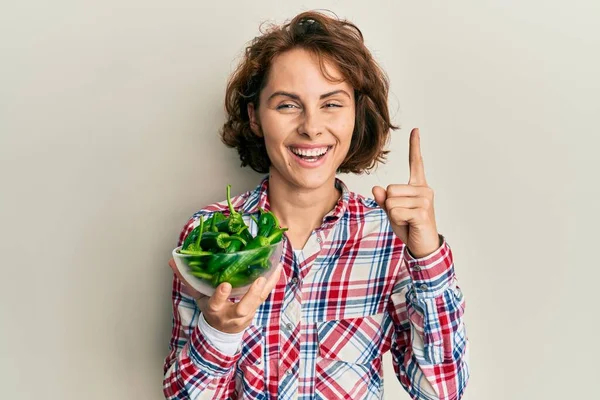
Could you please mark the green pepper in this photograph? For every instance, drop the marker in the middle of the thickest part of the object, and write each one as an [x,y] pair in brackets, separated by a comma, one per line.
[240,263]
[216,264]
[193,245]
[234,223]
[217,241]
[218,217]
[238,242]
[262,241]
[267,222]
[246,235]
[239,281]
[202,275]
[197,265]
[195,253]
[191,238]
[207,224]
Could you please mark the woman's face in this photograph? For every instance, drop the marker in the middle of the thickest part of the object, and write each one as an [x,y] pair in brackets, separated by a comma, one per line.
[307,121]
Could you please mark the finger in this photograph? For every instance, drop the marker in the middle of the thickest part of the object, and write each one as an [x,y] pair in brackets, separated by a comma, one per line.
[379,194]
[219,297]
[415,159]
[404,190]
[252,299]
[406,202]
[407,216]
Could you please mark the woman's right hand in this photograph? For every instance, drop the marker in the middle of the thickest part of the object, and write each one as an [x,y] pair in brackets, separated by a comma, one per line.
[224,315]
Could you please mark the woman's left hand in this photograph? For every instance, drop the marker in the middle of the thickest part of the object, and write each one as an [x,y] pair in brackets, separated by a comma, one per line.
[409,207]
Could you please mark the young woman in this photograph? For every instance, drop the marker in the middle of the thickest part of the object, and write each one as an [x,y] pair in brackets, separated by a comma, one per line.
[358,276]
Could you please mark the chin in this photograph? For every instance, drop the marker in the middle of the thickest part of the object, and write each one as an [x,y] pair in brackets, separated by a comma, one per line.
[306,179]
[313,180]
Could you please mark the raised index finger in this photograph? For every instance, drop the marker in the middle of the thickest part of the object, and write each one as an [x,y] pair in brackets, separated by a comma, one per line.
[415,160]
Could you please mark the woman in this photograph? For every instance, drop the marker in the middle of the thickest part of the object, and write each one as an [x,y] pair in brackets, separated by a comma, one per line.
[358,276]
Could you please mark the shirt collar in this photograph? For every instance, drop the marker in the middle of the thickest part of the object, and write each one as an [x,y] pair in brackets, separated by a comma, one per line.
[258,199]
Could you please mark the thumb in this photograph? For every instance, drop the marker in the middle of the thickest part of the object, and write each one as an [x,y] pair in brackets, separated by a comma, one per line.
[380,195]
[221,294]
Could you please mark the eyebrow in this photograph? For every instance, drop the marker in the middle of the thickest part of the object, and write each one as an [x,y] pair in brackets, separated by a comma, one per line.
[296,97]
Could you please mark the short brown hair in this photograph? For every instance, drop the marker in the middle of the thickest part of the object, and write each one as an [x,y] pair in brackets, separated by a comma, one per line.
[337,41]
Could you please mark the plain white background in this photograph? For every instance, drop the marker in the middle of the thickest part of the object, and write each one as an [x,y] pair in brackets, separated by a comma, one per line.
[109,114]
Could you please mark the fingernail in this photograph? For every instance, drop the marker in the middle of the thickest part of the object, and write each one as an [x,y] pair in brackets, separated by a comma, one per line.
[260,282]
[225,288]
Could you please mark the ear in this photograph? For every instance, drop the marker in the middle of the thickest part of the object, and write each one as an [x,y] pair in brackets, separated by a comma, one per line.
[254,125]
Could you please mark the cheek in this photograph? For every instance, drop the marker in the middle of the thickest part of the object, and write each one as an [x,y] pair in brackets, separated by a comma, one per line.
[345,128]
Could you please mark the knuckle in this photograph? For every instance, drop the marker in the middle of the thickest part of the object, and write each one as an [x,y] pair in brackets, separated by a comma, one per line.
[239,312]
[388,203]
[212,307]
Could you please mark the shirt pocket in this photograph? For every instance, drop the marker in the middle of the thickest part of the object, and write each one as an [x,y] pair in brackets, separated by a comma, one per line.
[250,377]
[353,340]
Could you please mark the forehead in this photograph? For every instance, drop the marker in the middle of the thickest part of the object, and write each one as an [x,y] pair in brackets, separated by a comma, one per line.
[300,71]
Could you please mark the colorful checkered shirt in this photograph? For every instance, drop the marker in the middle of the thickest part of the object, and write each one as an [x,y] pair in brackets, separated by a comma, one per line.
[353,293]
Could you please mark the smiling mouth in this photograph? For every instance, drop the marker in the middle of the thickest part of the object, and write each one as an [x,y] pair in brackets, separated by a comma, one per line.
[311,155]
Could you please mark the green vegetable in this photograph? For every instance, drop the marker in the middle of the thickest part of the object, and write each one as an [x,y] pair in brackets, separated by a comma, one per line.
[202,275]
[267,223]
[218,217]
[193,245]
[218,241]
[246,235]
[234,223]
[217,246]
[242,262]
[239,281]
[238,242]
[195,253]
[262,241]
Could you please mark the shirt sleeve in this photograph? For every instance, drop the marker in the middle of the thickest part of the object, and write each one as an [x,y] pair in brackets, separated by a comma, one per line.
[194,368]
[430,346]
[227,343]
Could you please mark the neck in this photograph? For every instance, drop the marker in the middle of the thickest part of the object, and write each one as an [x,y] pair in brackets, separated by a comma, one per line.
[301,209]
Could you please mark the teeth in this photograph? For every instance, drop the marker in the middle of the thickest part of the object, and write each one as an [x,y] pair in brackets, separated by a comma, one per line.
[310,152]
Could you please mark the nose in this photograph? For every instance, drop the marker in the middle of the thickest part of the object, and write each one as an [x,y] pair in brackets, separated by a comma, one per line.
[310,125]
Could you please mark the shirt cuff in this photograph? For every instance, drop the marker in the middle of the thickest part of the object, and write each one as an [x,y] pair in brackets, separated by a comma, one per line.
[432,274]
[227,343]
[207,357]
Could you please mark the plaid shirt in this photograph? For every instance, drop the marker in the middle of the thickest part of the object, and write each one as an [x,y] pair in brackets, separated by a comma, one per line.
[353,293]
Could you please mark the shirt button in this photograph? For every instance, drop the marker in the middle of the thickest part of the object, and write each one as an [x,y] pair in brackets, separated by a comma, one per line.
[417,268]
[290,327]
[423,287]
[294,280]
[319,240]
[289,371]
[259,361]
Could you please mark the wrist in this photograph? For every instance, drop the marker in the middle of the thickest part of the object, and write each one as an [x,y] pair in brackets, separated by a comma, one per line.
[425,252]
[222,329]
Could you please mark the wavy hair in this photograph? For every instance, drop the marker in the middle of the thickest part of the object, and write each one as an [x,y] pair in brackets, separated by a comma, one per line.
[339,42]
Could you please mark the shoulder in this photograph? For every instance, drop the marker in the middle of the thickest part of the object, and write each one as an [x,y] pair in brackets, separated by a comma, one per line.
[359,204]
[369,223]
